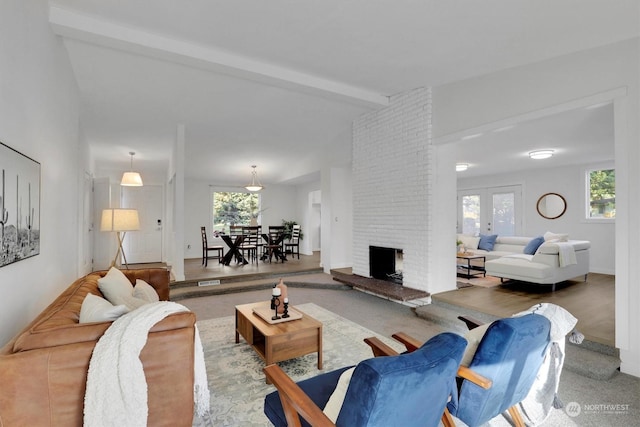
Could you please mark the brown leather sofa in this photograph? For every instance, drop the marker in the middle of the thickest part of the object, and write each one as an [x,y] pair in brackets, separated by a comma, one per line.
[43,369]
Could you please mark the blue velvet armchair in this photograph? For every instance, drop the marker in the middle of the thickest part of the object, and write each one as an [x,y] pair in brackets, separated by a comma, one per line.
[509,356]
[401,390]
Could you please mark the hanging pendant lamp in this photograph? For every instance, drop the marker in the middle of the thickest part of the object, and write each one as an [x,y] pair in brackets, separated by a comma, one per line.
[255,182]
[131,178]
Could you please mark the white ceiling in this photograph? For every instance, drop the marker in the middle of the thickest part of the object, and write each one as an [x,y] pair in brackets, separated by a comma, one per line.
[278,83]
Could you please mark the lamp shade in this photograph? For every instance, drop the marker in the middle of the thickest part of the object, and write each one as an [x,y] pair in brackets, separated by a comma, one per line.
[117,219]
[255,184]
[131,179]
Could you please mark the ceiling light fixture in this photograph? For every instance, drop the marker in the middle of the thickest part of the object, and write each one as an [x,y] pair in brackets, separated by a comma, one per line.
[540,154]
[461,167]
[255,182]
[131,178]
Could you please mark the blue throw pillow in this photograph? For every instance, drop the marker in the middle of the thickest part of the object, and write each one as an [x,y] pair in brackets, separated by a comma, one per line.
[487,242]
[533,245]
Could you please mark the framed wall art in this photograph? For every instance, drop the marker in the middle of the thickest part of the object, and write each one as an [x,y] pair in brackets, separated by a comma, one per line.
[19,206]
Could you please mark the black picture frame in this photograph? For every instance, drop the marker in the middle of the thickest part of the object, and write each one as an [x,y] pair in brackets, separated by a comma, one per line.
[20,184]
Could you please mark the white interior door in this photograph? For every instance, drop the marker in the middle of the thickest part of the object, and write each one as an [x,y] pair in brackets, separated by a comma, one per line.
[86,252]
[495,210]
[104,244]
[145,245]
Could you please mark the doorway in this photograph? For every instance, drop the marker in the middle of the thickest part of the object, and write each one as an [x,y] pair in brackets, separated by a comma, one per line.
[144,245]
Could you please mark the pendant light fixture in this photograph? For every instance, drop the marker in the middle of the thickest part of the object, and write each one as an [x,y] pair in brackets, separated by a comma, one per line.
[131,178]
[255,182]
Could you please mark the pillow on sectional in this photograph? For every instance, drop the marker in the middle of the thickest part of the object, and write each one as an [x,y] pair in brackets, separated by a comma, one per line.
[555,237]
[469,242]
[98,309]
[533,245]
[145,291]
[487,242]
[115,286]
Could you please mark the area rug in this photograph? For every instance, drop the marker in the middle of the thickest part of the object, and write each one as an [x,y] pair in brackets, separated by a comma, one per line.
[236,381]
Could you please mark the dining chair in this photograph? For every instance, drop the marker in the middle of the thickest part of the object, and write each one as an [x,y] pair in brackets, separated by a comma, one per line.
[402,390]
[249,245]
[217,249]
[294,242]
[272,248]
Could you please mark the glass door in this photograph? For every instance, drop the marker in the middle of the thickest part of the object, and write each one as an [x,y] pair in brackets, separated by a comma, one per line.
[494,210]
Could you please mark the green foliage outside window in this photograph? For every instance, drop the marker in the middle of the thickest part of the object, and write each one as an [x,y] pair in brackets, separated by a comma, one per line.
[234,209]
[602,193]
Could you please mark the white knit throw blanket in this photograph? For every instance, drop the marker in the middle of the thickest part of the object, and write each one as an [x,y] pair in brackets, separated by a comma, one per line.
[116,393]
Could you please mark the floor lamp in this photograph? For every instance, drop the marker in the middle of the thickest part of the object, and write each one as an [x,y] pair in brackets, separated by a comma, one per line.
[120,221]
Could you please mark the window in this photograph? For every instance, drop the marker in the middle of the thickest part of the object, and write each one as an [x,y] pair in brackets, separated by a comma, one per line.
[234,209]
[601,192]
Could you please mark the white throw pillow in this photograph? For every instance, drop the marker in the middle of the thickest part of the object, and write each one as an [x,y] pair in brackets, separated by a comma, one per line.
[473,337]
[98,309]
[115,286]
[333,406]
[145,291]
[469,242]
[555,237]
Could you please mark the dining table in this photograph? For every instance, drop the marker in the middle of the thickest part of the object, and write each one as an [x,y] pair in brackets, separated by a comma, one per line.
[234,249]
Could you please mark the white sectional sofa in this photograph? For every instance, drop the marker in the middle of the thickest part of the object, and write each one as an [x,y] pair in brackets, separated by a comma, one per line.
[507,259]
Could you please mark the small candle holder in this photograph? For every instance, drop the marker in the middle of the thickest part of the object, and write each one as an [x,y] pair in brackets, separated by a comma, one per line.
[275,301]
[285,314]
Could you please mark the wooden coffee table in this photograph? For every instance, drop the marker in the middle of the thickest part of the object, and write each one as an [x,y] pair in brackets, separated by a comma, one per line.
[279,341]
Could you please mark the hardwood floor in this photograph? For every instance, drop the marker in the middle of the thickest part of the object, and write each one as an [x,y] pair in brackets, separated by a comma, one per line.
[591,302]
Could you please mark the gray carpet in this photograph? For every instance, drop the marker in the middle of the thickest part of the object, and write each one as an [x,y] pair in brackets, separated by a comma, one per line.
[611,402]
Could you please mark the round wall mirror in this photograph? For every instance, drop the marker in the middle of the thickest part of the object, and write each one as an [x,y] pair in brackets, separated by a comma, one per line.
[551,206]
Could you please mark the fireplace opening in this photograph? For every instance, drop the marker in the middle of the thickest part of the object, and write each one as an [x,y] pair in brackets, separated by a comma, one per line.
[385,264]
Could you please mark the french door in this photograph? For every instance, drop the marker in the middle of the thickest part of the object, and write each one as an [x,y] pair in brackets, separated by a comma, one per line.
[494,210]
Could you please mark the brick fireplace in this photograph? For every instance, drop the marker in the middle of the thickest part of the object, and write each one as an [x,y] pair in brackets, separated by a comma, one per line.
[392,184]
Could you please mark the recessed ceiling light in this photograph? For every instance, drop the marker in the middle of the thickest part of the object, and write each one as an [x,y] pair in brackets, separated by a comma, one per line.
[540,154]
[460,167]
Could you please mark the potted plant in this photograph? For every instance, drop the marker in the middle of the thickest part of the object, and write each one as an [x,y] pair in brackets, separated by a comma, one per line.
[288,227]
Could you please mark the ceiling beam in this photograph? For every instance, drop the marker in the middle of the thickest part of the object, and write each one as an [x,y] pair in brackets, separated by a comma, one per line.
[91,29]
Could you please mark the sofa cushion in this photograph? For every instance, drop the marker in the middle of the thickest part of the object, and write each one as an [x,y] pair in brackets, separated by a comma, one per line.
[533,245]
[555,237]
[487,242]
[118,290]
[115,286]
[145,291]
[469,242]
[98,309]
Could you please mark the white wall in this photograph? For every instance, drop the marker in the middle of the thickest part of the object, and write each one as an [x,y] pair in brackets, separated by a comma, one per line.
[39,116]
[341,218]
[568,182]
[308,215]
[493,100]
